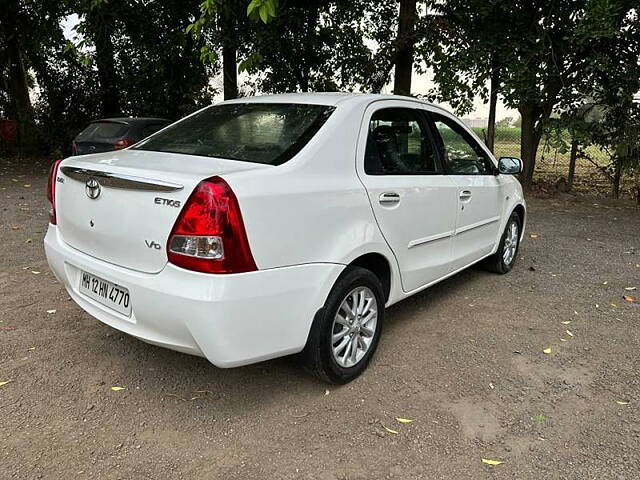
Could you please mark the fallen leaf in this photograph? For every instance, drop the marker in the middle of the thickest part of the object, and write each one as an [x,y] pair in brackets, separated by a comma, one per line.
[28,240]
[534,235]
[27,185]
[566,322]
[35,272]
[404,420]
[569,333]
[53,310]
[547,351]
[117,389]
[622,403]
[629,298]
[491,462]
[327,392]
[31,348]
[614,305]
[604,283]
[389,430]
[630,289]
[4,383]
[16,227]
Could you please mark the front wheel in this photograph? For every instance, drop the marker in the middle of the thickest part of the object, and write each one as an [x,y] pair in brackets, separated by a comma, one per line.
[503,260]
[346,331]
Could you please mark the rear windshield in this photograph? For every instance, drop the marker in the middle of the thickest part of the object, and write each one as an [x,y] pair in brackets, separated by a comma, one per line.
[97,131]
[269,133]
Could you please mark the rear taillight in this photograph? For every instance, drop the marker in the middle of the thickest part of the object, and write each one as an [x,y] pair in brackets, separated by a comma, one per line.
[51,190]
[209,234]
[124,143]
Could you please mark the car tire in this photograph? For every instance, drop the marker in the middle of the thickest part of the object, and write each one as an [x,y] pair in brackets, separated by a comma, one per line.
[501,261]
[322,356]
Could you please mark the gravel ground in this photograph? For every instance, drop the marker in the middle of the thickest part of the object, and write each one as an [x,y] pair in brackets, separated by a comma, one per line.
[464,360]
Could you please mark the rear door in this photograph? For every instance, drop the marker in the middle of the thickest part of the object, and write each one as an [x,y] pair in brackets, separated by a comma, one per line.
[413,202]
[479,192]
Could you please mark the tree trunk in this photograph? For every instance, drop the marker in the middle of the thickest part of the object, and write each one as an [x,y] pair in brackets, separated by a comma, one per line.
[572,164]
[101,27]
[19,97]
[308,44]
[230,70]
[617,176]
[493,101]
[529,141]
[405,45]
[229,52]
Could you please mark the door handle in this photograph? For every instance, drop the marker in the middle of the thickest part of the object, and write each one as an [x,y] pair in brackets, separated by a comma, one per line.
[389,198]
[465,195]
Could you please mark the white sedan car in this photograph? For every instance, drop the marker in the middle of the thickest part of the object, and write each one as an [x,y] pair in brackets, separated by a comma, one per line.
[274,225]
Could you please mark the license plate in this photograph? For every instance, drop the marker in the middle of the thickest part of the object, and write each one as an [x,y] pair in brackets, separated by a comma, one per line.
[106,293]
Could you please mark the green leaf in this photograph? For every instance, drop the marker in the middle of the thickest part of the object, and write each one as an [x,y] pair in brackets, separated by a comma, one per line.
[252,6]
[271,8]
[264,14]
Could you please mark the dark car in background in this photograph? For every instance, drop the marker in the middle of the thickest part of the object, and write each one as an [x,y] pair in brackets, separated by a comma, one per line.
[109,134]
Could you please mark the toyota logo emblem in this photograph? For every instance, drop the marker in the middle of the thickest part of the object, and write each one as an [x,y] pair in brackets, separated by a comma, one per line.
[92,188]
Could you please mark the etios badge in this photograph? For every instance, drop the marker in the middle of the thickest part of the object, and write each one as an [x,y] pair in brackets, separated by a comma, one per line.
[92,188]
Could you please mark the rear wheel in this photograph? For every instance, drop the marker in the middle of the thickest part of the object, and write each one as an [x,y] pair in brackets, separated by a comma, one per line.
[503,260]
[345,332]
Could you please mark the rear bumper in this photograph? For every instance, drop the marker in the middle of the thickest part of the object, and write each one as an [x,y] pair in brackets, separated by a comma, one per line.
[231,320]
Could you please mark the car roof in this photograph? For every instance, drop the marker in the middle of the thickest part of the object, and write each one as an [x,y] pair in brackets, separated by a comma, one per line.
[327,98]
[131,120]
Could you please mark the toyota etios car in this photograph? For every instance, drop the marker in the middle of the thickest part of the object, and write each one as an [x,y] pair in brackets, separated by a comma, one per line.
[267,226]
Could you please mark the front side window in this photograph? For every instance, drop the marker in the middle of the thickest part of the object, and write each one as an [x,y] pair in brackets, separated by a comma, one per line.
[460,152]
[398,144]
[269,133]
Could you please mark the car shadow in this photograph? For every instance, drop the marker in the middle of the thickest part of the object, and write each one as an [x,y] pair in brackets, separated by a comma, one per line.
[167,376]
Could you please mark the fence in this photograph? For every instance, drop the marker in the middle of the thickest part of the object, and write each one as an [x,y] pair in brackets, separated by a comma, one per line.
[553,163]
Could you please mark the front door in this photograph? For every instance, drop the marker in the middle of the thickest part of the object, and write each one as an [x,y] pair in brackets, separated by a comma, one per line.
[479,191]
[413,202]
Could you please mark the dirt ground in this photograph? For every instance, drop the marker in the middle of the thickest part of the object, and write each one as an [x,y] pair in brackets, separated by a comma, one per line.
[464,360]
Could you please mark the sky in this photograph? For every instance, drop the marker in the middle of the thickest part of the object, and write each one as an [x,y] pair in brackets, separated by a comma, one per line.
[421,83]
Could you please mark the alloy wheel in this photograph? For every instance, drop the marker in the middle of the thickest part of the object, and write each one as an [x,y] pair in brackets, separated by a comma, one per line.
[354,327]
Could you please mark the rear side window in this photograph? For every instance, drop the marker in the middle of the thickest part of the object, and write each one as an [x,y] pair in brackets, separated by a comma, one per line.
[269,133]
[398,143]
[98,131]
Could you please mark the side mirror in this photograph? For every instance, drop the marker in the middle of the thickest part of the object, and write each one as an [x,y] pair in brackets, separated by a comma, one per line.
[509,165]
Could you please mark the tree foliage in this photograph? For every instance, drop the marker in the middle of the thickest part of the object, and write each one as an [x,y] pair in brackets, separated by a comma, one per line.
[547,53]
[558,63]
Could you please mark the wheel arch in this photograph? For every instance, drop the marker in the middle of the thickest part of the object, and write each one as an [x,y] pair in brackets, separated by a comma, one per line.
[380,266]
[522,213]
